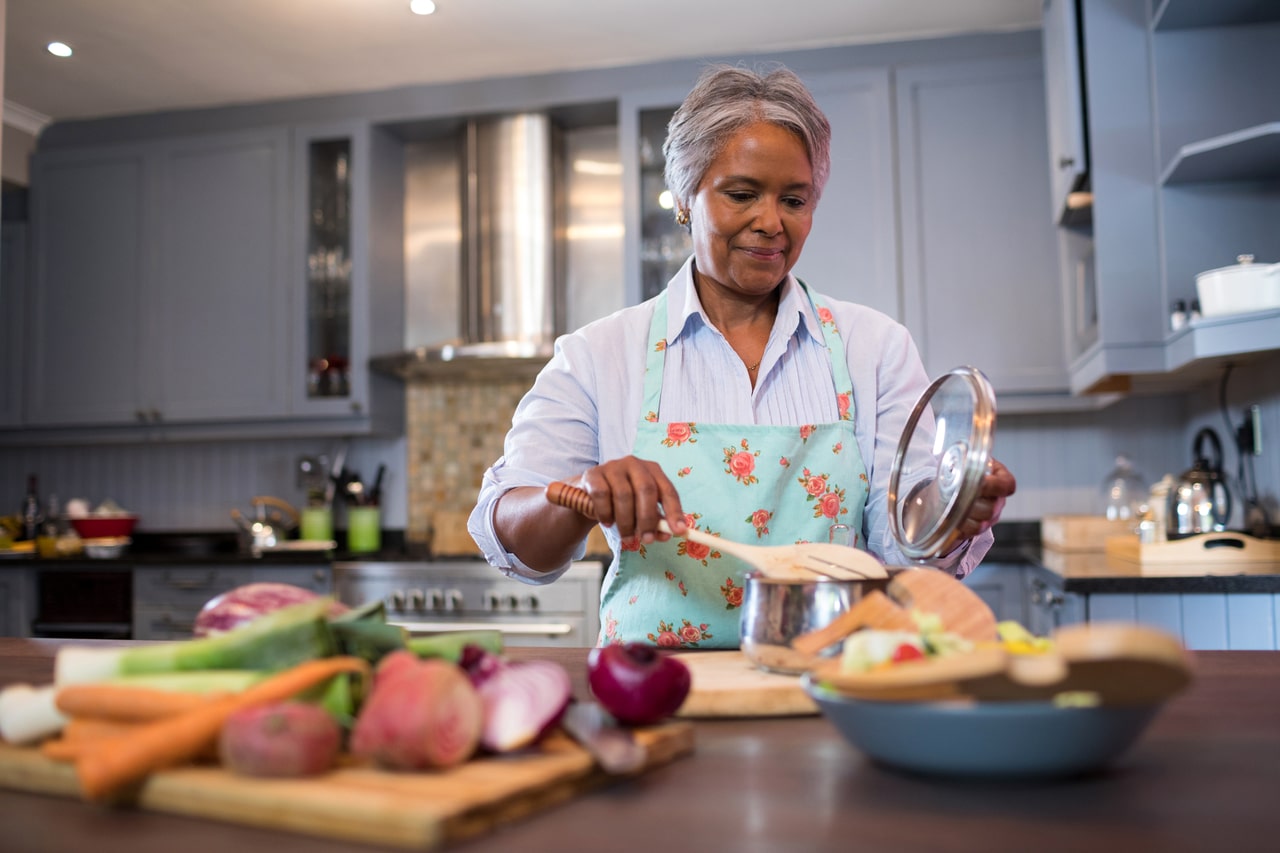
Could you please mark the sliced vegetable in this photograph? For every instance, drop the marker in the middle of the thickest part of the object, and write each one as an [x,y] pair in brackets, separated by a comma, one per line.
[420,715]
[275,641]
[283,739]
[523,700]
[450,644]
[906,652]
[28,714]
[244,604]
[117,762]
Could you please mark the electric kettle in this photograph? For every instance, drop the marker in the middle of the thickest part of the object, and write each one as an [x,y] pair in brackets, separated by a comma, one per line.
[1199,501]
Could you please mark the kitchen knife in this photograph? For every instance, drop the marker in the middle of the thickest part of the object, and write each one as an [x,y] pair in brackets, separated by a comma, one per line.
[612,746]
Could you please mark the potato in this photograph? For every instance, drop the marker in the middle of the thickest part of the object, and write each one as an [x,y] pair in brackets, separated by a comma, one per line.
[419,715]
[283,739]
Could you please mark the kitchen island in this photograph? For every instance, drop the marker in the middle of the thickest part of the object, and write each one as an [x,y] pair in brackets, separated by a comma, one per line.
[1203,777]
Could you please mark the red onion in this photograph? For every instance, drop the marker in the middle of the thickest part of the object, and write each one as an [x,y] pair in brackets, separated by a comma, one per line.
[523,700]
[637,683]
[246,603]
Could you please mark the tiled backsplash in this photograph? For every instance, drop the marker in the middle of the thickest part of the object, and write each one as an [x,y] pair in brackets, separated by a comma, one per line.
[454,431]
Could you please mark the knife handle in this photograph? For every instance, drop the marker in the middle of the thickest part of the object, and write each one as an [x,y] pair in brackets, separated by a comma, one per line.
[563,494]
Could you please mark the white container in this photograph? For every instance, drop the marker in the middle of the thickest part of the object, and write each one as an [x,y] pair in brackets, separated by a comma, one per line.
[1239,289]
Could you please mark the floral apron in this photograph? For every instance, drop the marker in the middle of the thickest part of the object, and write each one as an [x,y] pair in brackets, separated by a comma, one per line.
[747,483]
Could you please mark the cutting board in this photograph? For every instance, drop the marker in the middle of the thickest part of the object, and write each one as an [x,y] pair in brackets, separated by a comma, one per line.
[363,804]
[1227,553]
[726,684]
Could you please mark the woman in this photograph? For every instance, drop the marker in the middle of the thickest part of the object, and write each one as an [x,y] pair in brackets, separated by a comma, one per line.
[738,400]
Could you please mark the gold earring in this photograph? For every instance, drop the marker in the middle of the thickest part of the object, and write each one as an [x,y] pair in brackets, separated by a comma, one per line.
[682,217]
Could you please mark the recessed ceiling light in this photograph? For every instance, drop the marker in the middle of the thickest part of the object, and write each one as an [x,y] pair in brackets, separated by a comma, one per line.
[57,48]
[421,7]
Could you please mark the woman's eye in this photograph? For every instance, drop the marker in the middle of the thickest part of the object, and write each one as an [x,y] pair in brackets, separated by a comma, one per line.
[795,202]
[741,195]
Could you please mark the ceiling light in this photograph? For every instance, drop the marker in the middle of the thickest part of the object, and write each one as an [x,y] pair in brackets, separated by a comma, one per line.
[421,7]
[57,48]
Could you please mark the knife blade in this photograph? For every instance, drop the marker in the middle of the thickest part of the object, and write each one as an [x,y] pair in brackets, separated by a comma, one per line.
[612,746]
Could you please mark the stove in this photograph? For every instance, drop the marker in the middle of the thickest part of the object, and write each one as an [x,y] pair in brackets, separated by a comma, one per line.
[432,597]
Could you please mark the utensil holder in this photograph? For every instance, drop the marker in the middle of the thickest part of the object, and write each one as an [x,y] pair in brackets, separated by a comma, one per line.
[364,529]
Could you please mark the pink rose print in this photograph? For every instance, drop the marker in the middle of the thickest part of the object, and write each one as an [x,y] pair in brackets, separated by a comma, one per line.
[687,634]
[839,445]
[683,591]
[610,627]
[679,433]
[632,543]
[652,417]
[806,431]
[660,345]
[828,500]
[633,599]
[732,594]
[684,472]
[842,401]
[670,575]
[829,504]
[691,518]
[824,314]
[813,485]
[696,551]
[760,521]
[741,464]
[784,462]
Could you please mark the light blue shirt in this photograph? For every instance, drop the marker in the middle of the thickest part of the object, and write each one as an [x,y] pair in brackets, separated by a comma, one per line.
[585,404]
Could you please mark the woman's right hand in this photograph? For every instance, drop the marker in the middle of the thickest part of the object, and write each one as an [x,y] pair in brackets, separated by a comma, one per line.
[633,494]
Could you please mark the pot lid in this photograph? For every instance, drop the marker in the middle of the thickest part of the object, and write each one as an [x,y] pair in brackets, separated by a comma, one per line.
[941,459]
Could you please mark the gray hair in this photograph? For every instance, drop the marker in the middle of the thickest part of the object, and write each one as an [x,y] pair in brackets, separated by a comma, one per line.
[727,98]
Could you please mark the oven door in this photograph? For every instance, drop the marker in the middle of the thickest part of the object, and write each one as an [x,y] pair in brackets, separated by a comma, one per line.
[83,604]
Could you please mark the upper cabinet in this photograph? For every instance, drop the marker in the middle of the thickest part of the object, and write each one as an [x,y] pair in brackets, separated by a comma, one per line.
[1181,111]
[1064,96]
[191,287]
[13,294]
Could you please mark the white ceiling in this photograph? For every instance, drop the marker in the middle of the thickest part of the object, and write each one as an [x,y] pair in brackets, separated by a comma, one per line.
[145,55]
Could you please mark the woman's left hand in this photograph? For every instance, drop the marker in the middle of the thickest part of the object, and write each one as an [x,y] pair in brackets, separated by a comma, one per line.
[997,485]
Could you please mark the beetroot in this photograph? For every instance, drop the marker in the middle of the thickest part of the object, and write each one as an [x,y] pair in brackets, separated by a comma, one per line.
[420,714]
[284,739]
[246,603]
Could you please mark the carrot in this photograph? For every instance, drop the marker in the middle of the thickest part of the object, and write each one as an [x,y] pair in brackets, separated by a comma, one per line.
[89,729]
[127,758]
[127,704]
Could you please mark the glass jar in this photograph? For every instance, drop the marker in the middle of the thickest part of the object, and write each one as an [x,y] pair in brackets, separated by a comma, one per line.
[1124,492]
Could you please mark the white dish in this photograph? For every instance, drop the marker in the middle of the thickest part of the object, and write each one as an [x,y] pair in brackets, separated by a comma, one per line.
[1239,289]
[996,740]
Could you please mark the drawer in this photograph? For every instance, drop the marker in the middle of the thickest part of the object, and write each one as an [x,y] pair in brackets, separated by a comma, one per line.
[317,578]
[163,623]
[185,587]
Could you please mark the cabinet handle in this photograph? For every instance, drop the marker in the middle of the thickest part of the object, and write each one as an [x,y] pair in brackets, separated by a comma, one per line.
[179,583]
[1066,162]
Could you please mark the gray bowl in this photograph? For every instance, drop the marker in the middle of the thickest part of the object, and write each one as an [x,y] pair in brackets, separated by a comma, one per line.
[997,740]
[776,611]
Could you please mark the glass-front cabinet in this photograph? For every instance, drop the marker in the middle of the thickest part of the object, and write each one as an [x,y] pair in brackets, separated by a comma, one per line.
[328,269]
[664,244]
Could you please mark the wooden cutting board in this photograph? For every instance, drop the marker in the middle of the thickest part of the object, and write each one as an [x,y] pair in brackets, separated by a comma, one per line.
[1227,553]
[363,804]
[726,684]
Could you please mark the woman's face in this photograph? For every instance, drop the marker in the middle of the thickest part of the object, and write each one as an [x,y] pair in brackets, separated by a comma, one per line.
[753,210]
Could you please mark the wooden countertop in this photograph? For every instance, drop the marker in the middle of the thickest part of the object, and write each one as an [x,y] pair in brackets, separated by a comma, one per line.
[1203,777]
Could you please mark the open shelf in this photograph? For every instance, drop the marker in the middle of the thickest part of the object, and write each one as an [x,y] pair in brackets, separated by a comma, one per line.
[1194,14]
[1252,154]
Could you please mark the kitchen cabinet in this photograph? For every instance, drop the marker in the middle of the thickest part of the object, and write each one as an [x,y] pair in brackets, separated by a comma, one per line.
[978,252]
[348,276]
[1179,111]
[15,602]
[1203,621]
[13,294]
[166,599]
[157,294]
[1064,99]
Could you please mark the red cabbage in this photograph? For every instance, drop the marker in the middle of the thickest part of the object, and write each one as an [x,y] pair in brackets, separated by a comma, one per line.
[246,603]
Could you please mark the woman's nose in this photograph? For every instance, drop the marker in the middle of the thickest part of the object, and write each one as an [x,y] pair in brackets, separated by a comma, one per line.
[768,217]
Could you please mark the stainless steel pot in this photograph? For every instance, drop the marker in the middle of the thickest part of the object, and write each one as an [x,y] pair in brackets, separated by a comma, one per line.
[1200,501]
[777,610]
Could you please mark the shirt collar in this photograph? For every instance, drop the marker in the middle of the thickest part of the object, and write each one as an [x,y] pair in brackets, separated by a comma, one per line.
[795,310]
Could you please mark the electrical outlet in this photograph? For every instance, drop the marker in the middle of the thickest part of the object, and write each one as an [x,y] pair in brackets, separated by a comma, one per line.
[1249,433]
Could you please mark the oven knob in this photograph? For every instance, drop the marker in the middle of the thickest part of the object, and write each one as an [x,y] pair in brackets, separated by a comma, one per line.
[531,602]
[453,600]
[435,599]
[396,600]
[491,601]
[511,602]
[417,599]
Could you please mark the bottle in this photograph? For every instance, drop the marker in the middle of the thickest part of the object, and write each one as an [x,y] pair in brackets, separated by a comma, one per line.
[31,510]
[50,530]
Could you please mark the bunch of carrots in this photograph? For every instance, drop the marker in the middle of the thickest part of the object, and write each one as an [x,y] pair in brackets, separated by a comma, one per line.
[117,735]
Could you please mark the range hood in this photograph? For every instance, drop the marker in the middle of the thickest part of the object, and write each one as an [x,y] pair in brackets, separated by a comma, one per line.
[511,302]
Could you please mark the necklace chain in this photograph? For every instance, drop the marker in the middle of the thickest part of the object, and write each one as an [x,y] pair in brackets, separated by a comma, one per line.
[752,367]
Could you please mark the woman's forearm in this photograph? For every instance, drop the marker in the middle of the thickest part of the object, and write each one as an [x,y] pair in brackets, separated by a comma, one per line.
[542,535]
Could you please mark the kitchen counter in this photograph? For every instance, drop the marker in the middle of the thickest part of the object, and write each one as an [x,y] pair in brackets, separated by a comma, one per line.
[1203,777]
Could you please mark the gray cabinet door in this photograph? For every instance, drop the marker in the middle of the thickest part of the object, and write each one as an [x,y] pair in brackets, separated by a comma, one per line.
[979,256]
[88,223]
[219,307]
[13,295]
[1064,94]
[16,597]
[851,253]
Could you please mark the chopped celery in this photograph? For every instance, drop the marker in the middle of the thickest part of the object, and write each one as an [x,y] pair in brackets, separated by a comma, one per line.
[369,639]
[449,645]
